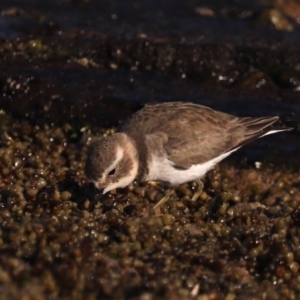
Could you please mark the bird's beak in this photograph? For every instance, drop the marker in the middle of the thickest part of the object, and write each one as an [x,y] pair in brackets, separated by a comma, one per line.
[104,191]
[103,187]
[100,187]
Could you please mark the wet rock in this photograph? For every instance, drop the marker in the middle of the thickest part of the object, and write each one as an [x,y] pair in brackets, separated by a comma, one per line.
[276,19]
[204,11]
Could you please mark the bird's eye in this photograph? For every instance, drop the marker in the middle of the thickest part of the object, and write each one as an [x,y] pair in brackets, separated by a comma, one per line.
[112,172]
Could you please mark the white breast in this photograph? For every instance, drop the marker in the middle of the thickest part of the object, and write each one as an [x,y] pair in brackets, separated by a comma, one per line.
[163,169]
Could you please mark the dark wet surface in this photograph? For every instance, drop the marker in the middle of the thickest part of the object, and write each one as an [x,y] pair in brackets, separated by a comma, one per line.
[90,64]
[83,58]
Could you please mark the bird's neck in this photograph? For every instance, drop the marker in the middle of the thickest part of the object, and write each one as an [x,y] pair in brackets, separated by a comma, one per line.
[138,143]
[131,153]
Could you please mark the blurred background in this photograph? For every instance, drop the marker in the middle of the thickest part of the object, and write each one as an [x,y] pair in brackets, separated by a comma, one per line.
[97,61]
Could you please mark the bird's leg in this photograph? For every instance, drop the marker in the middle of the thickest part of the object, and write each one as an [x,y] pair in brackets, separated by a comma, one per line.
[198,190]
[166,188]
[164,199]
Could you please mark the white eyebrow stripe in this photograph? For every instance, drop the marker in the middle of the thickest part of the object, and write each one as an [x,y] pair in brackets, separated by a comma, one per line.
[119,156]
[127,152]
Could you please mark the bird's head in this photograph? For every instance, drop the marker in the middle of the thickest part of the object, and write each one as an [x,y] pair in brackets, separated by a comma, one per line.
[112,162]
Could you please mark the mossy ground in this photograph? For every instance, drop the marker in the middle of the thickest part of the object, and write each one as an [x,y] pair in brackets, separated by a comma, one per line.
[61,240]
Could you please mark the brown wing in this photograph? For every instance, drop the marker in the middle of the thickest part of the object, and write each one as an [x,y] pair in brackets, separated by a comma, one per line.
[193,133]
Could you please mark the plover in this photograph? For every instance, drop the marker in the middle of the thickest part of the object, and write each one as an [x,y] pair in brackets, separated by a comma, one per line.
[173,142]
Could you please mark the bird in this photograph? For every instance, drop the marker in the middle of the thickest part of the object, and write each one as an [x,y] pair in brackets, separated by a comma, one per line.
[172,142]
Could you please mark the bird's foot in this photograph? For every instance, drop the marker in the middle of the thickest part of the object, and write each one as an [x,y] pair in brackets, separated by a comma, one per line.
[198,190]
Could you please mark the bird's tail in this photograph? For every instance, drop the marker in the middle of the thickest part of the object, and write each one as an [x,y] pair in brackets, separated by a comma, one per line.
[259,127]
[287,122]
